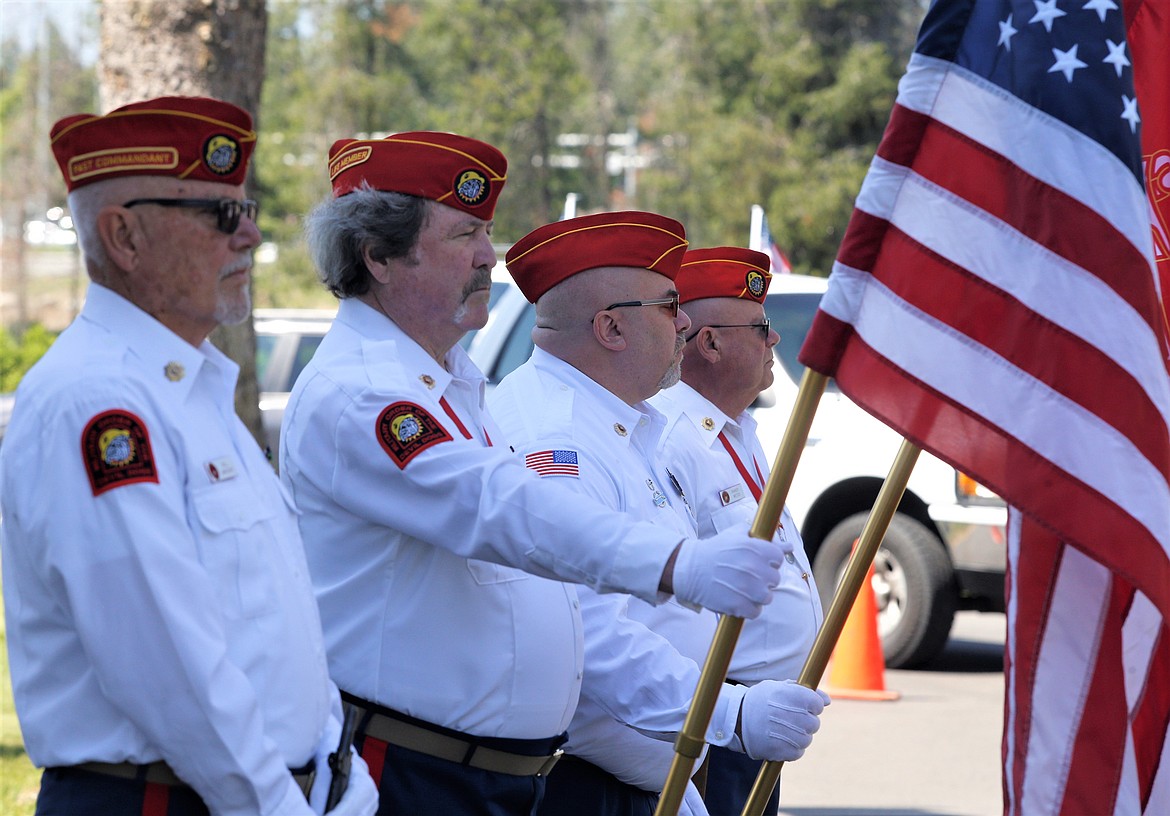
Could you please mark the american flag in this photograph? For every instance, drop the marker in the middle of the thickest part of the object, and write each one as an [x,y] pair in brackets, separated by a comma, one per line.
[994,300]
[553,462]
[760,239]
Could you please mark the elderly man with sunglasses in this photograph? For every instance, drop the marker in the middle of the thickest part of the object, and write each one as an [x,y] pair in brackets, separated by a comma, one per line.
[710,445]
[609,334]
[165,645]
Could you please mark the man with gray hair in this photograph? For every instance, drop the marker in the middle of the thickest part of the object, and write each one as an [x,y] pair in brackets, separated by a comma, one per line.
[437,558]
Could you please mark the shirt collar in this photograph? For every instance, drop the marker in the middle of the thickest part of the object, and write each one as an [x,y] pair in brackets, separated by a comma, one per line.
[166,357]
[705,415]
[411,358]
[605,402]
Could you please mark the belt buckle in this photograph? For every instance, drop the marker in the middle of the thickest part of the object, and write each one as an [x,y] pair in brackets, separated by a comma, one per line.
[550,762]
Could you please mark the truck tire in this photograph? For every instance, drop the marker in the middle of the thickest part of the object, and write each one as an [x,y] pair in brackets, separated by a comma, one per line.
[914,586]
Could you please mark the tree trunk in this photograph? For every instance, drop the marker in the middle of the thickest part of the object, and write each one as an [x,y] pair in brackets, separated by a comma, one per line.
[191,48]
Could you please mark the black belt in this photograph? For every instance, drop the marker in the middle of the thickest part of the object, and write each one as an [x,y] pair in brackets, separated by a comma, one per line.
[415,737]
[160,773]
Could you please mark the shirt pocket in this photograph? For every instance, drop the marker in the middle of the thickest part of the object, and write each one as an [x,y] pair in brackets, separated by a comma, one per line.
[737,513]
[485,572]
[237,544]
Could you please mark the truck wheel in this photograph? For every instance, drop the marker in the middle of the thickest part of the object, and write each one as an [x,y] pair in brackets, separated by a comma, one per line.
[913,583]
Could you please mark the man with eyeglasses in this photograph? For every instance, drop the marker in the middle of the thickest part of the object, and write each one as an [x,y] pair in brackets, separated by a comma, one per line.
[710,445]
[165,647]
[609,334]
[437,558]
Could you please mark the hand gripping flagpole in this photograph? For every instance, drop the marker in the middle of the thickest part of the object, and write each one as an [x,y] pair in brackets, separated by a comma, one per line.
[689,744]
[855,575]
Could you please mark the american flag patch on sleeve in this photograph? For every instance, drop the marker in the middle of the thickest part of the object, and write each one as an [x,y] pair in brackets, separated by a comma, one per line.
[553,462]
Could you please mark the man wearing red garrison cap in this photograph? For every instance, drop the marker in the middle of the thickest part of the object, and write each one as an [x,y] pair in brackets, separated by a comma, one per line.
[430,546]
[609,334]
[710,444]
[166,650]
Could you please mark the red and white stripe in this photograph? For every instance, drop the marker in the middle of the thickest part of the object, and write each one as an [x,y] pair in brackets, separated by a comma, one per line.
[994,301]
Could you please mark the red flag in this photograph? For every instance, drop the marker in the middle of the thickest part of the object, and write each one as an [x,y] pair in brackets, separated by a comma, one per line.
[995,301]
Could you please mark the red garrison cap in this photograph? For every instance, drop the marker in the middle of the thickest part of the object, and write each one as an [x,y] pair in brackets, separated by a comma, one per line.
[723,272]
[550,254]
[187,137]
[463,173]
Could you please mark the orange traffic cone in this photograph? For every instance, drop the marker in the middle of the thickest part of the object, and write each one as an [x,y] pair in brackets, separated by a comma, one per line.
[858,666]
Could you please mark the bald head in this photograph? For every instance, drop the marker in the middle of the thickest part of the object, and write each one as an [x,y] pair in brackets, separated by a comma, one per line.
[631,350]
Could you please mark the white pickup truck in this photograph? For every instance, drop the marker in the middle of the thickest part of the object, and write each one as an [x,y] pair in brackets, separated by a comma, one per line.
[944,549]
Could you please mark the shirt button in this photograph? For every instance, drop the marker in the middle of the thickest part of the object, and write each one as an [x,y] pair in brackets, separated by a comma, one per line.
[719,734]
[790,558]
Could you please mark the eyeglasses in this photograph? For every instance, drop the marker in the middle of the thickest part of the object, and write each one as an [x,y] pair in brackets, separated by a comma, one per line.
[671,301]
[765,327]
[227,210]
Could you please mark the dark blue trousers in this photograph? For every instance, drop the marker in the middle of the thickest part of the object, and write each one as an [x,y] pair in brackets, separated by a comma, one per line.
[730,777]
[73,792]
[411,784]
[580,788]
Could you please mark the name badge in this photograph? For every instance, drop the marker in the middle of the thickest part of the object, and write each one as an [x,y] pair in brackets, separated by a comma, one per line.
[220,470]
[731,494]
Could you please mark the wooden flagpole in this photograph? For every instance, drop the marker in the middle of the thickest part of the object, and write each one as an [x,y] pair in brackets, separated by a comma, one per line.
[854,578]
[689,744]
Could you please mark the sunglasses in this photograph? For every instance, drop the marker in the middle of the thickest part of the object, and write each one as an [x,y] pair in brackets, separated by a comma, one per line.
[227,210]
[671,301]
[765,326]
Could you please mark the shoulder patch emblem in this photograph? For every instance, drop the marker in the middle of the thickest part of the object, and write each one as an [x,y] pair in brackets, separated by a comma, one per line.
[115,447]
[405,430]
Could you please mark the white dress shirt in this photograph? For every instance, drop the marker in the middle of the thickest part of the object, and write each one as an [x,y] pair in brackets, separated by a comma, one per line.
[417,560]
[774,645]
[167,616]
[634,672]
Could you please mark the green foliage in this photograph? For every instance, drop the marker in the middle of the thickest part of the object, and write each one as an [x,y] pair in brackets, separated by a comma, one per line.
[36,89]
[773,102]
[776,102]
[19,780]
[17,354]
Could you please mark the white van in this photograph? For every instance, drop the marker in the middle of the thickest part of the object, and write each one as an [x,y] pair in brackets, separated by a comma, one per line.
[944,549]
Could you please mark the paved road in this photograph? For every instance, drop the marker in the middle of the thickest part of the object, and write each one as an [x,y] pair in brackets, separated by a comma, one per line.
[933,752]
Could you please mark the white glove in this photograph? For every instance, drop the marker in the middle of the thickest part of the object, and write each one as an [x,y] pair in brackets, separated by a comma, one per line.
[731,573]
[692,803]
[361,797]
[324,776]
[778,719]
